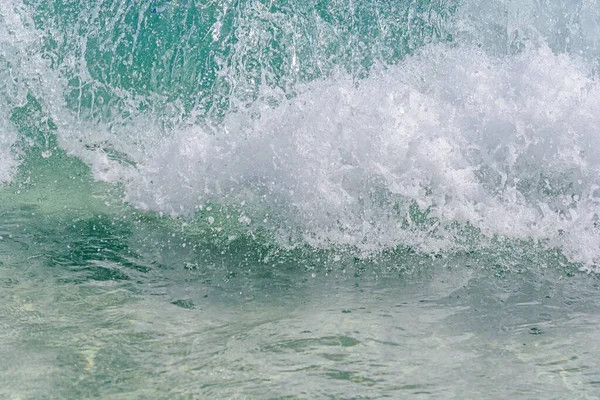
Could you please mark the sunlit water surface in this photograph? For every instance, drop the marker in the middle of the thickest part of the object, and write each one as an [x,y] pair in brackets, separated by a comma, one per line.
[299,199]
[93,308]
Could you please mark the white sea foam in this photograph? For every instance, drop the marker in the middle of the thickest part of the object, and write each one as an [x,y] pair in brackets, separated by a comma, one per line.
[12,89]
[499,132]
[508,144]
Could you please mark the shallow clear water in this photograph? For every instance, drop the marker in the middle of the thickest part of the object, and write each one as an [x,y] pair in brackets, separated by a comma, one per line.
[97,305]
[449,332]
[299,200]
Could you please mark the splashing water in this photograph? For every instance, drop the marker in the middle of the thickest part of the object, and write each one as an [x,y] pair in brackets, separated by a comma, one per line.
[340,131]
[221,154]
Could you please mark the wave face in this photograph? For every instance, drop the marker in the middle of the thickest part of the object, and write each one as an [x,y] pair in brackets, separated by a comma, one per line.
[439,125]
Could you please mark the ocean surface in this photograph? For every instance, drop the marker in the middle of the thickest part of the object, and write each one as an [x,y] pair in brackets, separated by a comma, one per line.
[299,199]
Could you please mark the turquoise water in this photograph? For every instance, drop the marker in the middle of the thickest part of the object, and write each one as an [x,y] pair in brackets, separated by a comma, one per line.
[299,200]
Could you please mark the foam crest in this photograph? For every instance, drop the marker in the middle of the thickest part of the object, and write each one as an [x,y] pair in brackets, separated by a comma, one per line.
[507,144]
[490,127]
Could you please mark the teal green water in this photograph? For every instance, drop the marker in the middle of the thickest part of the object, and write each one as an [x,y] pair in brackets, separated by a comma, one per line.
[215,55]
[299,200]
